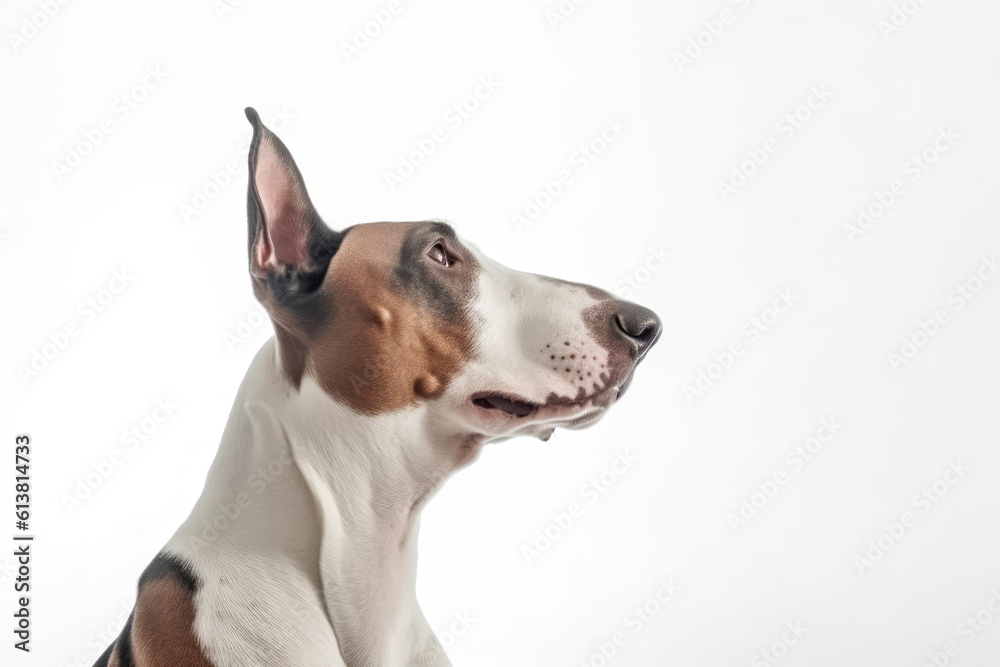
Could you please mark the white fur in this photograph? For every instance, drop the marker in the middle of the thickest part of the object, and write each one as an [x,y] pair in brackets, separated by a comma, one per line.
[304,537]
[523,313]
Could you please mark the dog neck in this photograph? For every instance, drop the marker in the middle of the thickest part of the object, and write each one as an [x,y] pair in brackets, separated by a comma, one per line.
[342,502]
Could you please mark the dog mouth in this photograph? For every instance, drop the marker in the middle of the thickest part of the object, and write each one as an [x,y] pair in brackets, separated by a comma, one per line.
[509,405]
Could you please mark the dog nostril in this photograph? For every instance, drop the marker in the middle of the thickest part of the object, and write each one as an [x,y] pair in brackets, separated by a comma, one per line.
[640,325]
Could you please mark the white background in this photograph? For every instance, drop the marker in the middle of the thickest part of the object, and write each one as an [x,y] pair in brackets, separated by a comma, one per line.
[689,125]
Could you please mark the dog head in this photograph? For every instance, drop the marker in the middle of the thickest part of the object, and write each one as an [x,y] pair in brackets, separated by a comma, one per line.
[387,317]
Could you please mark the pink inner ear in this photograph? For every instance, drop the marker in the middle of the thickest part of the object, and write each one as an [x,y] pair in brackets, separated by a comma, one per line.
[286,233]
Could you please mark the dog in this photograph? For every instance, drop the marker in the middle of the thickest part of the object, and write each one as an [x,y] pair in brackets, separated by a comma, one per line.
[398,352]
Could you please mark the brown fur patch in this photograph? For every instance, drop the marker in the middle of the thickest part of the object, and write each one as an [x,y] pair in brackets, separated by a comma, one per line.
[397,325]
[163,632]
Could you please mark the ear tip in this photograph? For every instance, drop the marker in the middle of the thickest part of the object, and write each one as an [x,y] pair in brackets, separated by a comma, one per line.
[252,116]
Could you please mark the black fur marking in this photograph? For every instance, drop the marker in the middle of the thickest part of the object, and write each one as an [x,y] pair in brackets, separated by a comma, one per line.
[103,660]
[415,275]
[161,567]
[165,567]
[125,657]
[289,286]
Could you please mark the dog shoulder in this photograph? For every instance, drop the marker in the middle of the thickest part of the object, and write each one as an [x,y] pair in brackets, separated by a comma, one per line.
[160,630]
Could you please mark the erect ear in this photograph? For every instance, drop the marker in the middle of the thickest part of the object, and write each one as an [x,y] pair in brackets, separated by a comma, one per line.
[290,247]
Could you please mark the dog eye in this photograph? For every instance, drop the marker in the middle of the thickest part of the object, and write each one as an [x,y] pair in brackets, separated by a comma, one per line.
[440,255]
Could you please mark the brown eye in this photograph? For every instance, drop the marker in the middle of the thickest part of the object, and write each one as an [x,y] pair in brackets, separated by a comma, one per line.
[440,255]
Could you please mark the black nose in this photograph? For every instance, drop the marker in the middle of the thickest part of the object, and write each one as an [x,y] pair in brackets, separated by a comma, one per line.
[640,325]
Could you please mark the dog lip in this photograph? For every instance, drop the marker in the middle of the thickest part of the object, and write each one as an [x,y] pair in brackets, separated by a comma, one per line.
[521,408]
[507,403]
